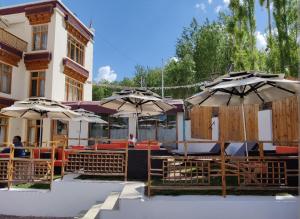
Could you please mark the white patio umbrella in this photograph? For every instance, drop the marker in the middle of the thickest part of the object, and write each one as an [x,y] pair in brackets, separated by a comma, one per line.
[89,117]
[38,109]
[134,114]
[136,100]
[139,101]
[241,88]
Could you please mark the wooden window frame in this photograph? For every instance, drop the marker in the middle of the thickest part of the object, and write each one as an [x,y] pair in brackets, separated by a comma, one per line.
[78,58]
[73,84]
[38,79]
[6,126]
[9,73]
[40,32]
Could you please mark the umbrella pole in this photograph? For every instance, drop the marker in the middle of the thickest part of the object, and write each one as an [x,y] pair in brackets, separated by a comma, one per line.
[41,133]
[244,127]
[79,132]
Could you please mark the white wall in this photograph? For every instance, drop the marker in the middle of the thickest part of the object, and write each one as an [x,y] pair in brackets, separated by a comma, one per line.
[66,199]
[265,128]
[208,207]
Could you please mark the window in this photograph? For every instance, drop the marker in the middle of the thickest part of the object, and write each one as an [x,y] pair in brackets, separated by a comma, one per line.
[37,87]
[3,129]
[33,131]
[75,50]
[5,78]
[73,90]
[40,35]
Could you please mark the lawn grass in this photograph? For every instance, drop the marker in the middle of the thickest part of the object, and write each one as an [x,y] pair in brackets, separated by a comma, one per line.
[35,185]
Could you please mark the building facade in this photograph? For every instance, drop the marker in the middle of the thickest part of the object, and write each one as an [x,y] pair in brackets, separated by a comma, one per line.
[45,51]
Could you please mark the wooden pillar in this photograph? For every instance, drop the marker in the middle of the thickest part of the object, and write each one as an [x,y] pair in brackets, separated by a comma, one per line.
[185,148]
[10,167]
[126,161]
[63,156]
[52,163]
[261,150]
[149,169]
[223,172]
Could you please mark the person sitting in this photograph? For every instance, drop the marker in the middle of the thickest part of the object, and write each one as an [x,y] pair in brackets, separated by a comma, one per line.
[17,141]
[131,141]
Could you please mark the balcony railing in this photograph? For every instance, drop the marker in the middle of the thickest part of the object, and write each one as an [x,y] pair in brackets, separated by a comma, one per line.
[12,40]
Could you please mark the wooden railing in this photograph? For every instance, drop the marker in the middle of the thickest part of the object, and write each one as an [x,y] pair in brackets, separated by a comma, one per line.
[221,172]
[168,172]
[28,168]
[12,40]
[95,162]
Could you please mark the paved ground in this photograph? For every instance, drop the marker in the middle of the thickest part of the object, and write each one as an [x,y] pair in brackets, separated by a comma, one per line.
[17,217]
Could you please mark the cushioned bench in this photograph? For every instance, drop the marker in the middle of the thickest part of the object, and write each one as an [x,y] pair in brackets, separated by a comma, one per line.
[286,150]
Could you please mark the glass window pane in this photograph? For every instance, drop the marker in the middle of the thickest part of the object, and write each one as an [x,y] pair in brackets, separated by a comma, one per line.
[36,41]
[42,88]
[72,52]
[34,88]
[44,40]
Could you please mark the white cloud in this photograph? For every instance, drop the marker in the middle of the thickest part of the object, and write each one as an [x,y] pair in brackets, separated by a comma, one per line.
[201,6]
[106,73]
[218,9]
[226,2]
[209,1]
[261,40]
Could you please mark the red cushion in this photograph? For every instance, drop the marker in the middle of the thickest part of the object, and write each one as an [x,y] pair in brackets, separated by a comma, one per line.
[78,147]
[4,155]
[142,146]
[58,163]
[286,149]
[110,146]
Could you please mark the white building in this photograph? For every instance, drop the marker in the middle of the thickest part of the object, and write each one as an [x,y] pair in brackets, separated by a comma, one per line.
[45,50]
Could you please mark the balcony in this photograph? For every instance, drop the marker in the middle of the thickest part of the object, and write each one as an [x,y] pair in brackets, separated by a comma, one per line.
[12,41]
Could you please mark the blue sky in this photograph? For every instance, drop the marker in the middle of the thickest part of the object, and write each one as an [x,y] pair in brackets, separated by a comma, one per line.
[142,32]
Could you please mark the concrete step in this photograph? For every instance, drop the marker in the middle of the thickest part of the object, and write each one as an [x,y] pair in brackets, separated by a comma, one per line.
[111,202]
[92,212]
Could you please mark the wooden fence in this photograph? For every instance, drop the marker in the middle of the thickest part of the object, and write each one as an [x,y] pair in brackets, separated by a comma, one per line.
[285,121]
[222,172]
[30,168]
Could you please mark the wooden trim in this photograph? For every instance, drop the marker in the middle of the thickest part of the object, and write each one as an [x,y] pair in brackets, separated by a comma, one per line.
[37,61]
[38,79]
[39,14]
[39,30]
[74,70]
[77,46]
[76,33]
[9,58]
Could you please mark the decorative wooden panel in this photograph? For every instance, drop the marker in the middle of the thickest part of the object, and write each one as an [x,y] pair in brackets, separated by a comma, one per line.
[201,122]
[39,14]
[105,163]
[285,120]
[231,123]
[9,58]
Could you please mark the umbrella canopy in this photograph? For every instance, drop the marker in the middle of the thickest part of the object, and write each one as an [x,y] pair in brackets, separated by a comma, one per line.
[241,88]
[134,114]
[136,100]
[245,88]
[88,116]
[39,108]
